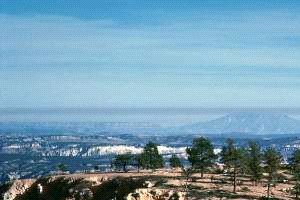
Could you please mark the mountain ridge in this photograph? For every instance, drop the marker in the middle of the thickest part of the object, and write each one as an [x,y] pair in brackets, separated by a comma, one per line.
[247,123]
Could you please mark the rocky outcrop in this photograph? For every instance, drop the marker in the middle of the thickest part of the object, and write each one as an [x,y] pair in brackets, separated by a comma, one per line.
[18,188]
[153,194]
[91,185]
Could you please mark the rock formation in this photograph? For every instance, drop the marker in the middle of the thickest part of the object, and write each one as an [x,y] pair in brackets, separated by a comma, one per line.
[18,188]
[154,193]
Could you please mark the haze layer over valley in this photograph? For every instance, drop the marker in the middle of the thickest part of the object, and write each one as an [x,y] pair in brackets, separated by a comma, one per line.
[152,123]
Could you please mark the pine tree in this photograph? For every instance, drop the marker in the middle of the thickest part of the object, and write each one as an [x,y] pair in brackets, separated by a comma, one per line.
[150,158]
[137,161]
[254,160]
[201,154]
[297,189]
[62,167]
[175,161]
[272,159]
[187,174]
[122,161]
[295,167]
[232,157]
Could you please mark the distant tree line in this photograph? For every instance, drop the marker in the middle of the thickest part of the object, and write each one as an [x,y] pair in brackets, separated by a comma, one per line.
[148,159]
[250,160]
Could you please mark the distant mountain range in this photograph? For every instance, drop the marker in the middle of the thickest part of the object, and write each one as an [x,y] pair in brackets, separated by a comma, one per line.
[249,123]
[77,128]
[234,123]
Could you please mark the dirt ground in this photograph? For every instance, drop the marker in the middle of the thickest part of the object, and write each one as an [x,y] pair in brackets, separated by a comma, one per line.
[213,185]
[245,188]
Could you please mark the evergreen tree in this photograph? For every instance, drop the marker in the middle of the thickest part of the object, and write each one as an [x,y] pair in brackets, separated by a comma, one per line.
[150,158]
[175,161]
[137,161]
[62,167]
[272,159]
[187,174]
[201,154]
[96,167]
[122,161]
[295,167]
[244,161]
[254,160]
[232,157]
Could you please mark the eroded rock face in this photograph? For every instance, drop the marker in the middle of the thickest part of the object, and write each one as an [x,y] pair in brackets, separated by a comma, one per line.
[18,188]
[96,179]
[154,194]
[86,186]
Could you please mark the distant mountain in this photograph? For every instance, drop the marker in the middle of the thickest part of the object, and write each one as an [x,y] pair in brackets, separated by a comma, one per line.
[81,128]
[231,124]
[249,123]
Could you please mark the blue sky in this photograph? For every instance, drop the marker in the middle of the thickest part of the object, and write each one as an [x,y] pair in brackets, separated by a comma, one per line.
[149,53]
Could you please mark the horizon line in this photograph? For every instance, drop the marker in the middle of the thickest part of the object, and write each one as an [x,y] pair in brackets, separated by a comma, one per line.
[148,110]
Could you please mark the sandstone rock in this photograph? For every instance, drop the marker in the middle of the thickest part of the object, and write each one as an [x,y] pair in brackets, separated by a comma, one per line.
[149,184]
[17,188]
[154,194]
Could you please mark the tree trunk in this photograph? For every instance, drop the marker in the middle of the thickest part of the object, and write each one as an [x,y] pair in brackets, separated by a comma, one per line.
[234,180]
[255,182]
[202,172]
[268,191]
[186,188]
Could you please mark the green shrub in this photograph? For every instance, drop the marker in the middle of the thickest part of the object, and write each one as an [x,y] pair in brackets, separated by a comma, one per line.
[245,189]
[117,188]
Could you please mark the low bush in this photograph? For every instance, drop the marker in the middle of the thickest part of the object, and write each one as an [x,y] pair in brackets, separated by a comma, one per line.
[245,189]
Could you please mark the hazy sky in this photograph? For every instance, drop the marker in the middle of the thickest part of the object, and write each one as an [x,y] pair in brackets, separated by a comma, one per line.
[158,53]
